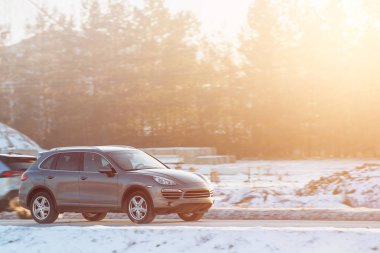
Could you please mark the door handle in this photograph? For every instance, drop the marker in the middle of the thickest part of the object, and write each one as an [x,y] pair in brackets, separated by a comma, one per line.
[83,178]
[50,177]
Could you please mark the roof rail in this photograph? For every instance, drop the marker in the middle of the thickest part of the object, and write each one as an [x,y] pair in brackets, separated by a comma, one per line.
[89,147]
[72,147]
[121,146]
[41,153]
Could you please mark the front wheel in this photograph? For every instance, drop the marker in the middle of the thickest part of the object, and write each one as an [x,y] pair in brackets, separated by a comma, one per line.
[43,209]
[94,216]
[139,208]
[191,216]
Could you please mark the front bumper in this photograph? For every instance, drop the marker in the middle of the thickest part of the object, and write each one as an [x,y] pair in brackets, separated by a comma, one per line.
[182,204]
[185,208]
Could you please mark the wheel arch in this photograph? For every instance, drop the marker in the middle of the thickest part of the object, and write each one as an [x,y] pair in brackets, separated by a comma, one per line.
[40,189]
[134,188]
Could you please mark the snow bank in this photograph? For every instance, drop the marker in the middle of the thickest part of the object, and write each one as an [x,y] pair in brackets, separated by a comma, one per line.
[187,239]
[356,188]
[298,184]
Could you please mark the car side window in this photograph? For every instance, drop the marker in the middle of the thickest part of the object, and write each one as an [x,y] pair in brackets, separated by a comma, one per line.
[93,162]
[49,164]
[68,161]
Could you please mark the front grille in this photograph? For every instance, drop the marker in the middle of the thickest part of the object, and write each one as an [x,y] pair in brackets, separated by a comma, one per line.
[198,194]
[172,195]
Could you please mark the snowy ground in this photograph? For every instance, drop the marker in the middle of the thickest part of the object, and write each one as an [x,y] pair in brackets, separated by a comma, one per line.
[275,189]
[314,190]
[187,239]
[296,184]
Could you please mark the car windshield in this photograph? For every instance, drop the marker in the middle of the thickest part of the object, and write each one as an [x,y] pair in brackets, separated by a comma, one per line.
[135,160]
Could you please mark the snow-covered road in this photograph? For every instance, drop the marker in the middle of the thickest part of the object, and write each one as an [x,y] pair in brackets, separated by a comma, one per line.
[168,239]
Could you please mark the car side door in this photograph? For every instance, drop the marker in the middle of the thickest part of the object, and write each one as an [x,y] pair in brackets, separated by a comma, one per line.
[98,186]
[62,177]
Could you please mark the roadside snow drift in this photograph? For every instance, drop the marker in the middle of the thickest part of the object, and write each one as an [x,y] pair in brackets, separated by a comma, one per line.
[356,188]
[301,184]
[186,239]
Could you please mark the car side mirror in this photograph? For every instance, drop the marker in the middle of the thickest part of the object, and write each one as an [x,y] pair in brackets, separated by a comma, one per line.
[109,173]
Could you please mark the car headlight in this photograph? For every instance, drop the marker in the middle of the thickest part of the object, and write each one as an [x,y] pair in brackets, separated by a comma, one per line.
[164,181]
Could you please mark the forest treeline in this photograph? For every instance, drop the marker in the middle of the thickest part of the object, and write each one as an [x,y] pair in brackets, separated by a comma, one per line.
[301,82]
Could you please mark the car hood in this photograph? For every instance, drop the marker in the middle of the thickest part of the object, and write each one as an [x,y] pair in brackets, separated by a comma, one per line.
[178,175]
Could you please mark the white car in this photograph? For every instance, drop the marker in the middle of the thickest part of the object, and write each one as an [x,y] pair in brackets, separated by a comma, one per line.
[11,168]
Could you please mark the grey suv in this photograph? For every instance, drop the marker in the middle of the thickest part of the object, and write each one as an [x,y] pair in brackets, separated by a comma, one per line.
[97,180]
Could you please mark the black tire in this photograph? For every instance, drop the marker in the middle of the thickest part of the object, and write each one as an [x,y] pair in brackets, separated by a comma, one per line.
[147,204]
[51,214]
[191,216]
[94,216]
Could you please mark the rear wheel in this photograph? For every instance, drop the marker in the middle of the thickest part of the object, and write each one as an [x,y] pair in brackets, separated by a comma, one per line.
[139,208]
[94,216]
[43,209]
[191,216]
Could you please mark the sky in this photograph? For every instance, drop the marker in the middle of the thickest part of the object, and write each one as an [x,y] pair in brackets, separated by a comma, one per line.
[222,17]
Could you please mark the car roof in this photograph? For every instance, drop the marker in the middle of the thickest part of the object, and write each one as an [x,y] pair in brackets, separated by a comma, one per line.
[107,148]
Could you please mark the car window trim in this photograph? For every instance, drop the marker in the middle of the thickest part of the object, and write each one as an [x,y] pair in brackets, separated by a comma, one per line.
[55,162]
[53,165]
[49,156]
[81,169]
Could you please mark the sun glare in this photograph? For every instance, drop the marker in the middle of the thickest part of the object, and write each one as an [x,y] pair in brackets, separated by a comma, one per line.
[224,17]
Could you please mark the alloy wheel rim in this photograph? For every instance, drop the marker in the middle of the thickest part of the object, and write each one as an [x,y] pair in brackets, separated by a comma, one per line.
[41,208]
[138,208]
